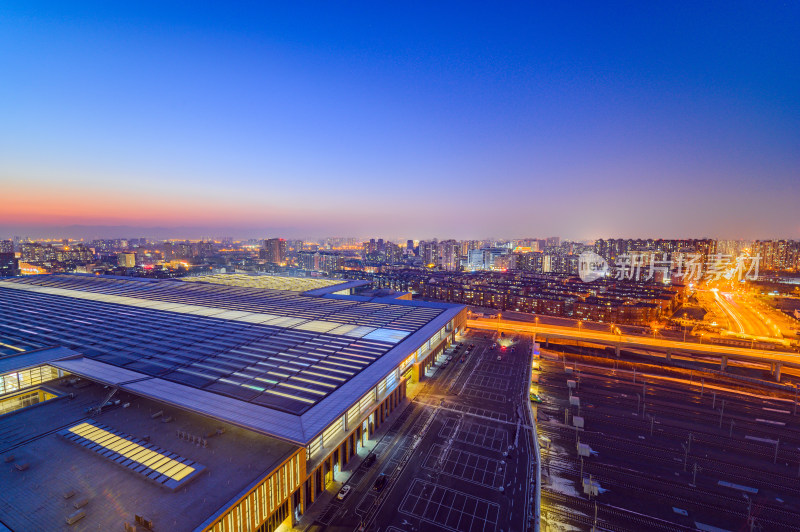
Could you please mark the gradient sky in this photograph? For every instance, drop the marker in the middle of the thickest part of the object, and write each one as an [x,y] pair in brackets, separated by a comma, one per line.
[401,119]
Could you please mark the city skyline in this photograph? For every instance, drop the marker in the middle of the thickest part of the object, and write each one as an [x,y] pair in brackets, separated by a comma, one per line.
[674,121]
[162,234]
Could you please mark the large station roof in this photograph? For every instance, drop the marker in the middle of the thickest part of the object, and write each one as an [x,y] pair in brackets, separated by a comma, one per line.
[149,467]
[277,282]
[279,362]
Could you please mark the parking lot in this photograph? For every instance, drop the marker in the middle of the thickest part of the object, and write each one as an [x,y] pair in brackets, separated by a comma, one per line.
[460,460]
[449,509]
[485,436]
[465,465]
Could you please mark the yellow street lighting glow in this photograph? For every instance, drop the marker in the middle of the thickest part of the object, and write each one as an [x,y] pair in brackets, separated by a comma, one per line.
[133,451]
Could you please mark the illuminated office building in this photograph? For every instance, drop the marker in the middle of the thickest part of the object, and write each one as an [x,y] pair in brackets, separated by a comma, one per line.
[275,250]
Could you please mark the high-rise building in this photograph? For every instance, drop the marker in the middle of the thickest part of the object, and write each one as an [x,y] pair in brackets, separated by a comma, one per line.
[126,260]
[319,261]
[777,254]
[475,260]
[392,253]
[429,251]
[490,255]
[9,265]
[275,250]
[449,255]
[328,261]
[6,246]
[531,262]
[34,252]
[305,260]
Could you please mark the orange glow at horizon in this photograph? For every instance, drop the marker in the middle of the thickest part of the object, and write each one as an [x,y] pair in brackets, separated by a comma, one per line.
[38,205]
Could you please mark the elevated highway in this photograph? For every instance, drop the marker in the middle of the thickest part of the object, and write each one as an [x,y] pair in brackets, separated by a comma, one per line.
[774,359]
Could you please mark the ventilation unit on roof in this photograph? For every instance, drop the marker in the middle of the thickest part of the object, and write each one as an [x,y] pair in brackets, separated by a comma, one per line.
[148,524]
[74,517]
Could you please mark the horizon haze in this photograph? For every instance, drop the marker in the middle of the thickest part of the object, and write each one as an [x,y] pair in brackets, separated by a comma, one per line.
[460,120]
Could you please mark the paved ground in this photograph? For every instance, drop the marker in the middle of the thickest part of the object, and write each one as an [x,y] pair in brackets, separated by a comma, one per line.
[669,452]
[457,458]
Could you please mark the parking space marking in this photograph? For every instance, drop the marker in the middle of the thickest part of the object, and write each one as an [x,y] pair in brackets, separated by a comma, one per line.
[493,383]
[479,412]
[465,465]
[366,503]
[475,433]
[448,508]
[495,369]
[456,408]
[477,393]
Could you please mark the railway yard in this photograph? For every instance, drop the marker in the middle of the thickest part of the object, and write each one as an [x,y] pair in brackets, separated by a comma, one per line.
[665,449]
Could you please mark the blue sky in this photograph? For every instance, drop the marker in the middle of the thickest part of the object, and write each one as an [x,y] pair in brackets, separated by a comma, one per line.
[403,120]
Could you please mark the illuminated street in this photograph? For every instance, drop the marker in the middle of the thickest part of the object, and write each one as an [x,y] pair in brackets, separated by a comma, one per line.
[743,317]
[647,342]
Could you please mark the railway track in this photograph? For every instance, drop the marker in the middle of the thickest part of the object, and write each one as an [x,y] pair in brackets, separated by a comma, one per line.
[668,457]
[625,392]
[712,440]
[668,409]
[611,518]
[679,410]
[714,502]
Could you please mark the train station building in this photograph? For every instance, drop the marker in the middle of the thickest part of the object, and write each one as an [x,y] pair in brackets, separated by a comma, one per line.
[222,403]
